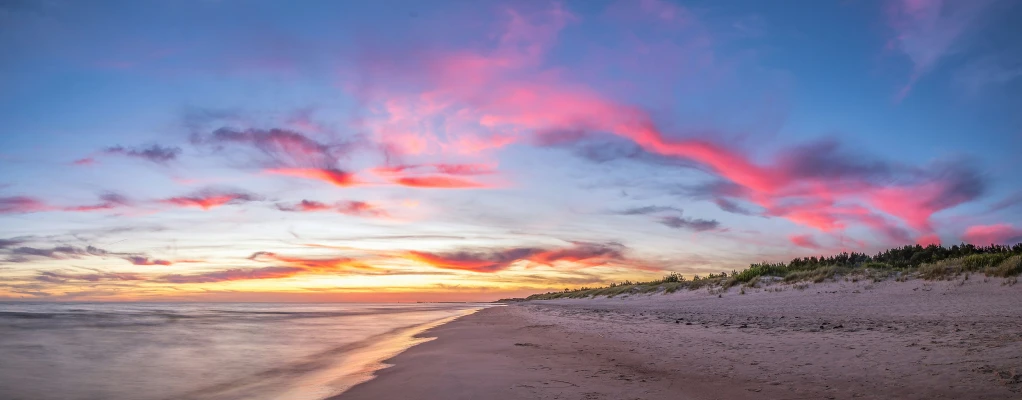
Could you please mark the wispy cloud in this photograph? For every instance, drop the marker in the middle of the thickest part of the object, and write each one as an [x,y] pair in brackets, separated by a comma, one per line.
[356,208]
[154,153]
[677,221]
[62,277]
[988,72]
[235,274]
[108,201]
[327,264]
[1013,200]
[495,260]
[292,266]
[284,152]
[21,204]
[21,254]
[731,206]
[5,243]
[85,161]
[144,260]
[646,210]
[435,176]
[210,198]
[927,31]
[694,224]
[443,168]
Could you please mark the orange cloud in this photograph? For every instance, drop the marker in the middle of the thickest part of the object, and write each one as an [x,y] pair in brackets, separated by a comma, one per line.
[317,264]
[292,266]
[209,199]
[332,176]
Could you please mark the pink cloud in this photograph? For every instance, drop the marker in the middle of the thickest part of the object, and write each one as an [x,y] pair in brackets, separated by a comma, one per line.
[507,93]
[92,207]
[928,239]
[982,235]
[21,204]
[355,208]
[806,241]
[439,182]
[448,176]
[444,168]
[285,152]
[302,120]
[579,255]
[209,199]
[110,201]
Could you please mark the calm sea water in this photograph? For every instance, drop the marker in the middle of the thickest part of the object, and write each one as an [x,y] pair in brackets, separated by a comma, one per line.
[147,351]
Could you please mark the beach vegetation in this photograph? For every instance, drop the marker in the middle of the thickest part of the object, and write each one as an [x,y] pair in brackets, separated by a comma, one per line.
[931,262]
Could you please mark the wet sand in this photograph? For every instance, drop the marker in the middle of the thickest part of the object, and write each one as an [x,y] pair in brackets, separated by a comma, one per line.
[891,340]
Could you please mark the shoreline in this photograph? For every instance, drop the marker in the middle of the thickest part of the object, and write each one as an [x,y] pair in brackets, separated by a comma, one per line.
[328,374]
[905,340]
[372,358]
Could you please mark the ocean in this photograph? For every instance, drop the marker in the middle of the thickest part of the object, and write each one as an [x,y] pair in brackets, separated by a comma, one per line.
[142,351]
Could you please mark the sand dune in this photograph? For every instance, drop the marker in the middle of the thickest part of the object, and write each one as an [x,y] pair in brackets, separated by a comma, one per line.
[891,340]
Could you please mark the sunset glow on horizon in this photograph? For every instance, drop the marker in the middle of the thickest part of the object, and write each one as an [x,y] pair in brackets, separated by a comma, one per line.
[431,151]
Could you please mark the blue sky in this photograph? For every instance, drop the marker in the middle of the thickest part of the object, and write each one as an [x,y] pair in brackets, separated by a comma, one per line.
[470,150]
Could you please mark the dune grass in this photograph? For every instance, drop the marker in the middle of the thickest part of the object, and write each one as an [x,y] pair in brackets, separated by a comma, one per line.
[930,262]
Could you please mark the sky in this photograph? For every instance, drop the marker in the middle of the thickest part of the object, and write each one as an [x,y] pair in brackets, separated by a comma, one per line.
[473,150]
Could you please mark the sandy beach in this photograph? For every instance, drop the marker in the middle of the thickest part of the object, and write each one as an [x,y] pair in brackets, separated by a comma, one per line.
[958,339]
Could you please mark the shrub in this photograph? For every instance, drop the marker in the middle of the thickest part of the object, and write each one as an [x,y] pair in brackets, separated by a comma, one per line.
[878,265]
[930,262]
[816,275]
[979,262]
[941,269]
[674,277]
[1009,267]
[757,270]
